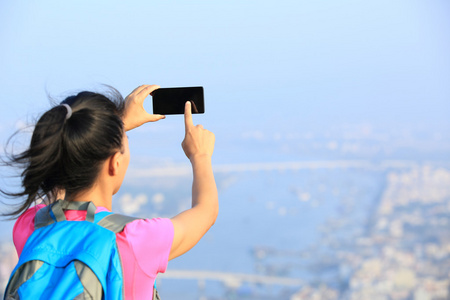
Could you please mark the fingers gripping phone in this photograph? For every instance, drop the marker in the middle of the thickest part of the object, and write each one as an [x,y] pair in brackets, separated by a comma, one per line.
[171,101]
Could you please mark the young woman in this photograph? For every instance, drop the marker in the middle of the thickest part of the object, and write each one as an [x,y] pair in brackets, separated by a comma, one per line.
[79,151]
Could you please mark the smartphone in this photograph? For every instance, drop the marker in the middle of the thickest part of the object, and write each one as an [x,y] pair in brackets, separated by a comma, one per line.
[171,101]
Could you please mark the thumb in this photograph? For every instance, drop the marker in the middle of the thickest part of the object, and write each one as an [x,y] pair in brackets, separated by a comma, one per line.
[154,118]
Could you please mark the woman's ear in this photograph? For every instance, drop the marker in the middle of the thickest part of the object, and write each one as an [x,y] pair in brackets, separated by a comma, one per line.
[114,163]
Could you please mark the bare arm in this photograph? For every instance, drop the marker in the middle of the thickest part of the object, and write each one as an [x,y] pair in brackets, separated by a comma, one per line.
[192,224]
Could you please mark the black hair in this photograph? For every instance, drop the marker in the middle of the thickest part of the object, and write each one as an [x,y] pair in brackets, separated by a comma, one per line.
[67,153]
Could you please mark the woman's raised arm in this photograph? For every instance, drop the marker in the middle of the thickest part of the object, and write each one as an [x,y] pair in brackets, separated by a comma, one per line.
[192,224]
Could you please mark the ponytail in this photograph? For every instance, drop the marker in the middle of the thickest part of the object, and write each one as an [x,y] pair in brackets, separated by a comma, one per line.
[68,145]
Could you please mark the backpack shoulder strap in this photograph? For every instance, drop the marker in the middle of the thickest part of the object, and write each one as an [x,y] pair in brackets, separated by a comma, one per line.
[43,218]
[55,212]
[114,222]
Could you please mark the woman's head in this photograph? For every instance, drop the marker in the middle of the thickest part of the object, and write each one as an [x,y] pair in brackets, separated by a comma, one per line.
[66,151]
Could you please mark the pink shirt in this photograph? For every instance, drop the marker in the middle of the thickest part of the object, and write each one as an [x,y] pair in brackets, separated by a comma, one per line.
[144,247]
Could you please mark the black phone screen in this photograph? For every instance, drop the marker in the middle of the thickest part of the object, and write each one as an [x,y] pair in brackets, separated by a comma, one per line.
[171,101]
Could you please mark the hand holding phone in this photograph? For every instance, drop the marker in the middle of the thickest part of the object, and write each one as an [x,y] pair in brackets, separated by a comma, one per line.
[134,114]
[171,101]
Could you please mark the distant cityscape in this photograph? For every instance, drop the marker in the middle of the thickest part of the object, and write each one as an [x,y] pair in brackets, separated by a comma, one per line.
[403,253]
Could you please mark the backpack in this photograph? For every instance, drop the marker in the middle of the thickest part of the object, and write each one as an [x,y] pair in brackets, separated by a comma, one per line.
[70,259]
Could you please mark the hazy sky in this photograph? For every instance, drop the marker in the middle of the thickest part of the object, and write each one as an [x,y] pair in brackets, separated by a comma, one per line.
[264,64]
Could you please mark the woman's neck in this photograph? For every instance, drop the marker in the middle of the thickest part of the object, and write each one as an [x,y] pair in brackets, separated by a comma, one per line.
[98,195]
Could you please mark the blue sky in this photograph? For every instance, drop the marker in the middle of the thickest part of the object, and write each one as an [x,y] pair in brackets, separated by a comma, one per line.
[264,64]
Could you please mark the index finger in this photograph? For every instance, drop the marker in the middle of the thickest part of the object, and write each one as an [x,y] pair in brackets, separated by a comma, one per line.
[188,115]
